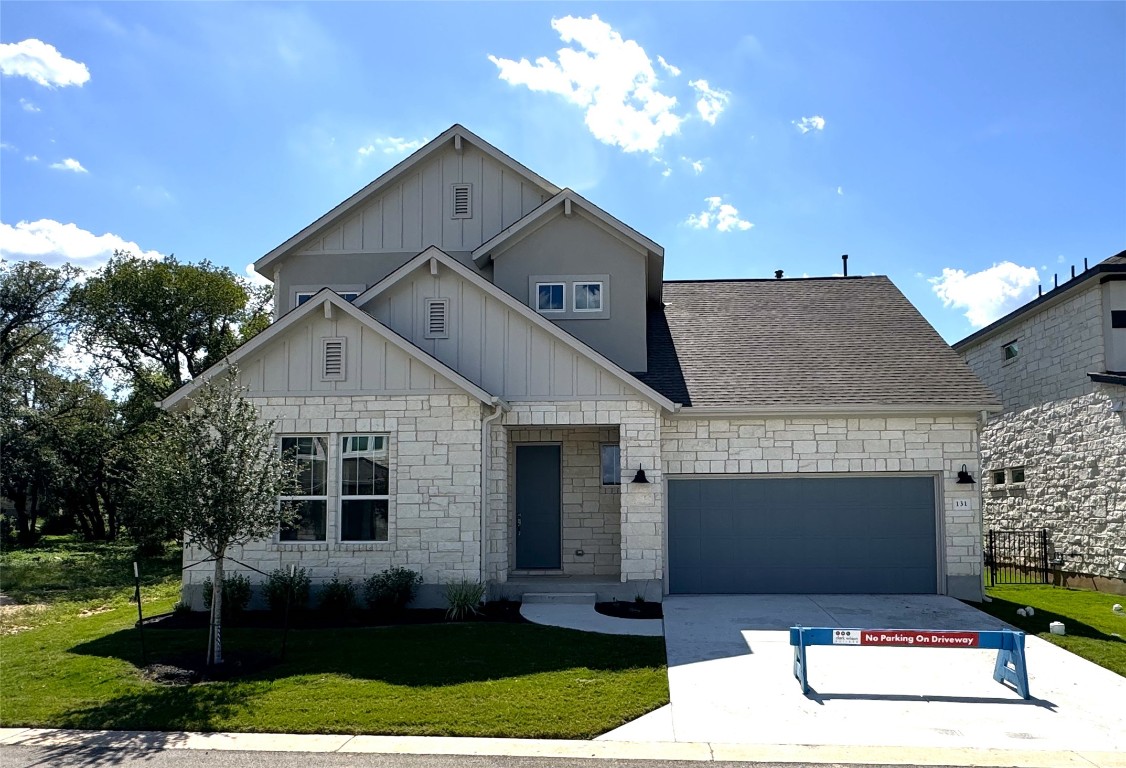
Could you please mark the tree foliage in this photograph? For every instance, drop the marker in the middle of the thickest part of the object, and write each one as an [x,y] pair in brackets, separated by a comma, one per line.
[214,470]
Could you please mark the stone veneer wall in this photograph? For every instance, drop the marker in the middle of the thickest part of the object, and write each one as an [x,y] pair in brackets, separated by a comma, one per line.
[435,479]
[1058,347]
[937,445]
[591,512]
[1074,456]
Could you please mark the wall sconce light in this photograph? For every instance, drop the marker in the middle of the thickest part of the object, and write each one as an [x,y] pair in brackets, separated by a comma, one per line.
[640,476]
[964,477]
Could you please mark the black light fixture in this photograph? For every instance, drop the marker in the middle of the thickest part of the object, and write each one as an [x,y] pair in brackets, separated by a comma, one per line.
[964,477]
[640,476]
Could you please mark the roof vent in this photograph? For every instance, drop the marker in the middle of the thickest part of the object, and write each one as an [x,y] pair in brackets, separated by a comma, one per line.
[437,319]
[462,201]
[844,261]
[777,274]
[333,368]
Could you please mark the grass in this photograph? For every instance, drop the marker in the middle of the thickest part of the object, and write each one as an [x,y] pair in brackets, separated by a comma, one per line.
[76,665]
[1091,624]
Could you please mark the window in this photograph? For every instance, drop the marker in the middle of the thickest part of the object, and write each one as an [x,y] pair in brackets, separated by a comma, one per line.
[311,495]
[588,297]
[462,204]
[303,296]
[364,479]
[549,297]
[611,464]
[349,295]
[300,297]
[1017,474]
[1118,318]
[333,359]
[998,477]
[1011,350]
[437,319]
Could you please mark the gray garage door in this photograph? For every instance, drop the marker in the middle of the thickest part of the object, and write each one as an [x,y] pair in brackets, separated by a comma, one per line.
[802,535]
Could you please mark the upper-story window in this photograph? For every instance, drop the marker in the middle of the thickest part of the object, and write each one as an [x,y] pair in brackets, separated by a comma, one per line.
[588,297]
[304,293]
[1010,351]
[1118,318]
[550,297]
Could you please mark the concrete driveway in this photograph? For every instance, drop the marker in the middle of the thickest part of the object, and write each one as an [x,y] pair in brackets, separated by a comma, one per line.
[731,680]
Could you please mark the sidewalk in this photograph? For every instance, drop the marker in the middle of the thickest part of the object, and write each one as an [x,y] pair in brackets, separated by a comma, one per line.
[140,741]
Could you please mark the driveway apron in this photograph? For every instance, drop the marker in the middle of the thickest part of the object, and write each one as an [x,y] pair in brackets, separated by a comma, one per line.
[731,679]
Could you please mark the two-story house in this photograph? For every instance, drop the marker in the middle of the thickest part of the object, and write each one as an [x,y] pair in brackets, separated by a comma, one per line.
[1055,458]
[487,377]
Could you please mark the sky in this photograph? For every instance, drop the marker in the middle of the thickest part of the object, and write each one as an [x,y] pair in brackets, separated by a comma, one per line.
[969,151]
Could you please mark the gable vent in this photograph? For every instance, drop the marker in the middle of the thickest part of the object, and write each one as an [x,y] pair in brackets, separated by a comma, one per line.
[463,201]
[437,319]
[333,368]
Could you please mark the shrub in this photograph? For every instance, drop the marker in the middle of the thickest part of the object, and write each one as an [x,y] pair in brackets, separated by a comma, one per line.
[464,599]
[281,586]
[236,594]
[391,590]
[338,596]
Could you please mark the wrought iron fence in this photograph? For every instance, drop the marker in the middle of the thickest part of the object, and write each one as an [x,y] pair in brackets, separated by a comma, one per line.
[1017,557]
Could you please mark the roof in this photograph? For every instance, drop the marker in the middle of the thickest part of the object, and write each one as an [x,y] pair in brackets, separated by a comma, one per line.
[816,344]
[1112,266]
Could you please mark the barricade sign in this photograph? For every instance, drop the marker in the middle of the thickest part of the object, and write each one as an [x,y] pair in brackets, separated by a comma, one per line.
[1009,667]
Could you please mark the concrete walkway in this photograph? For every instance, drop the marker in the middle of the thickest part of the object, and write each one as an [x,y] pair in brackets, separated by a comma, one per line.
[90,746]
[731,680]
[585,619]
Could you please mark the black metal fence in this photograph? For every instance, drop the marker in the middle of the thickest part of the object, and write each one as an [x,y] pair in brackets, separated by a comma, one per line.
[1017,557]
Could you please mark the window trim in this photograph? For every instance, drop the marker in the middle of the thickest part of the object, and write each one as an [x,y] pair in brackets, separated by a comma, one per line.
[1013,475]
[575,296]
[303,497]
[1013,345]
[993,473]
[341,497]
[602,464]
[563,303]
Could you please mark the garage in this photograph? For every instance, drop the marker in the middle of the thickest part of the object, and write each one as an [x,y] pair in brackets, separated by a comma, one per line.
[853,535]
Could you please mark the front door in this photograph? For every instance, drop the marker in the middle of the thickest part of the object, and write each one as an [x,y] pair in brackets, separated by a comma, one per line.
[538,506]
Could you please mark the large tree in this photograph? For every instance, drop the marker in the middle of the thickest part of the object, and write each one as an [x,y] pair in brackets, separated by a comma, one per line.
[163,322]
[215,471]
[33,307]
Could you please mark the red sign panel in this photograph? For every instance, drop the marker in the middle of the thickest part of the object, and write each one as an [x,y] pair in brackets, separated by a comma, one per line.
[919,638]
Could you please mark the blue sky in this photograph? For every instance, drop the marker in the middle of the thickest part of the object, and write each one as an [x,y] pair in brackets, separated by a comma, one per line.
[967,150]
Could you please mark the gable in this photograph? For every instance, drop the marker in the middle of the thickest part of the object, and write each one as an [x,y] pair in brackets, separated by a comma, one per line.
[491,340]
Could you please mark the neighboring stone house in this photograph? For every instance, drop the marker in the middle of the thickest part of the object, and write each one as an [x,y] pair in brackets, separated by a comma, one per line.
[487,377]
[1055,458]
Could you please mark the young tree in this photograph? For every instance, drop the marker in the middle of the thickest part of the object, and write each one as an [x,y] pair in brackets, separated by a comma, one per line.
[216,471]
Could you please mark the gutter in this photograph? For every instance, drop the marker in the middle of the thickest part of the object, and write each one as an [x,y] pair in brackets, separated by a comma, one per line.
[499,408]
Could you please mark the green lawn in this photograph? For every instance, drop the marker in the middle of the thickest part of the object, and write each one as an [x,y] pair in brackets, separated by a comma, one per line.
[1090,622]
[75,665]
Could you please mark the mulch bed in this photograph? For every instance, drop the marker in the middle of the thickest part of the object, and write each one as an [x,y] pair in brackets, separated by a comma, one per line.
[495,611]
[630,609]
[191,668]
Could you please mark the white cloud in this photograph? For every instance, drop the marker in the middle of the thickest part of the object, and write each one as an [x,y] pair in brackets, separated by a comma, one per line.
[41,63]
[667,172]
[391,145]
[54,243]
[254,277]
[9,147]
[32,158]
[70,164]
[29,106]
[712,100]
[697,166]
[674,71]
[723,216]
[840,190]
[612,79]
[988,294]
[807,124]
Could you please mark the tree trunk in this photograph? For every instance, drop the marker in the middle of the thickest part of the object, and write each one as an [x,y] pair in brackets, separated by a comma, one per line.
[215,636]
[23,529]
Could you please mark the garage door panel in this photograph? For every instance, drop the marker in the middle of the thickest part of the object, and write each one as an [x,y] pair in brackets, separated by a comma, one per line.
[802,535]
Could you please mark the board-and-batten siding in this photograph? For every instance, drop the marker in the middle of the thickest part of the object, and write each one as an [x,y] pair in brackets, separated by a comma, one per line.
[417,211]
[292,363]
[489,343]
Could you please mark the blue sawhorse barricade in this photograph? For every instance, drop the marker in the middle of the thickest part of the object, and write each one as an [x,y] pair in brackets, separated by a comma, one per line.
[1010,666]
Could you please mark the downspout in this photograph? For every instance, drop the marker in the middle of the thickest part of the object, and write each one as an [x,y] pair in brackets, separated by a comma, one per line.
[499,407]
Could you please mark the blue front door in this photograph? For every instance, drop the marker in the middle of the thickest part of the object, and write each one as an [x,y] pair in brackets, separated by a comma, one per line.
[538,506]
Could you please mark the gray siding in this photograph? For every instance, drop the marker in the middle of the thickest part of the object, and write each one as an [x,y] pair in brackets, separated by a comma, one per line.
[576,246]
[1114,300]
[490,343]
[291,364]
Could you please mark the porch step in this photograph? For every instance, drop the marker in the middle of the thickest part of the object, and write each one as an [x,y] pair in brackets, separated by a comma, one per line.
[569,598]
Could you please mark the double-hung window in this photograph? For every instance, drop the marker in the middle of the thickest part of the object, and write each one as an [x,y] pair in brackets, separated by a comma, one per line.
[364,481]
[310,497]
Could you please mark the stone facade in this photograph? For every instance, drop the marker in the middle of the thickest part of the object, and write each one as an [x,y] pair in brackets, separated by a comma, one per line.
[1073,452]
[591,511]
[919,445]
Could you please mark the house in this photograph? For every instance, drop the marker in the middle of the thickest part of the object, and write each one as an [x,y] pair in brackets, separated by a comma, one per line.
[487,377]
[1055,457]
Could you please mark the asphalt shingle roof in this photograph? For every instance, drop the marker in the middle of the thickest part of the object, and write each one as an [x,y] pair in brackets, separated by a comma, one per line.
[844,342]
